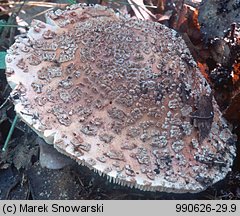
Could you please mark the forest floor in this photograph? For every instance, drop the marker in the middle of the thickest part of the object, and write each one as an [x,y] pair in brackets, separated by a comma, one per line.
[21,175]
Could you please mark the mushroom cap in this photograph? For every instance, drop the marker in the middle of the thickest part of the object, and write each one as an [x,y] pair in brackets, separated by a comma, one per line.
[121,96]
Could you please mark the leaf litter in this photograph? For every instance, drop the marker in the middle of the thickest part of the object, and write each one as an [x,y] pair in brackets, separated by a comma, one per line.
[21,162]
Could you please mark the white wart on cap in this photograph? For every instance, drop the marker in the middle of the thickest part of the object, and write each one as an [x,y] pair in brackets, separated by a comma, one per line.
[121,96]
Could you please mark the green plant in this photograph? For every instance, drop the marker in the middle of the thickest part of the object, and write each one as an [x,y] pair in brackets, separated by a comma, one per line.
[2,24]
[2,60]
[72,1]
[10,133]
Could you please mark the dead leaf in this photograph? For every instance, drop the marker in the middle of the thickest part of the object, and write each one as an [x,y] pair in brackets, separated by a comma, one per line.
[161,4]
[164,17]
[203,116]
[236,72]
[232,111]
[5,166]
[140,10]
[204,70]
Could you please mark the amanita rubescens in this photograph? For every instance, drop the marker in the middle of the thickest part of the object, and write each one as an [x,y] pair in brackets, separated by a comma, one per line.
[121,96]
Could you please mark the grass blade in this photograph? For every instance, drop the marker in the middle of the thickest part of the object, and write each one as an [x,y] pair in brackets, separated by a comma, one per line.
[2,60]
[10,133]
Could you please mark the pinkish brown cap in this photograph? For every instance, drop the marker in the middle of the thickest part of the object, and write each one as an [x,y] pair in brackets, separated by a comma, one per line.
[121,96]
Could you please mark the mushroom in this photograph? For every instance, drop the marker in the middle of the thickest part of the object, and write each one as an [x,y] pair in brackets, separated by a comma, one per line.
[121,96]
